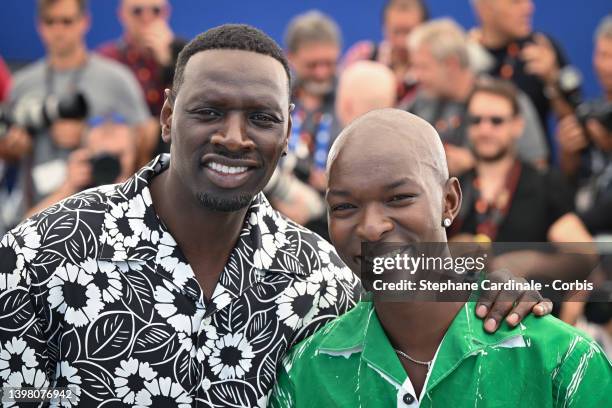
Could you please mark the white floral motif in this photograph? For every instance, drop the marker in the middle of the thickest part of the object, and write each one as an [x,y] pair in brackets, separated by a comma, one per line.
[15,351]
[67,376]
[136,214]
[73,293]
[106,277]
[166,306]
[131,377]
[231,357]
[163,392]
[273,238]
[298,304]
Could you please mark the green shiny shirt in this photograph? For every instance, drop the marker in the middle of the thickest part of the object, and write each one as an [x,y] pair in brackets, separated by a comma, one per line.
[542,363]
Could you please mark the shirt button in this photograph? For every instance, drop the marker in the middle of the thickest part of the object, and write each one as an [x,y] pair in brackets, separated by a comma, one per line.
[408,399]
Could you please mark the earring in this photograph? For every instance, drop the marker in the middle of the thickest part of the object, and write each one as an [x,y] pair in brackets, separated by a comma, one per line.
[447,222]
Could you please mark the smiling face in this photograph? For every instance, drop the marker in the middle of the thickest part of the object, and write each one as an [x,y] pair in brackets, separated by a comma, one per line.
[494,128]
[228,126]
[315,66]
[388,182]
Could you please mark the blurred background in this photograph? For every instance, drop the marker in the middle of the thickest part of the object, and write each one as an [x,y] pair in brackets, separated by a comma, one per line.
[571,23]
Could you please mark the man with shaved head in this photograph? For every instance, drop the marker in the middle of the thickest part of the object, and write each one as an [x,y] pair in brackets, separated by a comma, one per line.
[364,86]
[395,188]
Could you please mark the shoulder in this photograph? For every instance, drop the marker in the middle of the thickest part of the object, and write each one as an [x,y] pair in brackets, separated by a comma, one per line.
[563,344]
[308,251]
[341,337]
[28,73]
[103,67]
[108,49]
[68,230]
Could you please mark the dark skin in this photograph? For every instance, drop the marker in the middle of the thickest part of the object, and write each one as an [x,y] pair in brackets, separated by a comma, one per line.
[232,110]
[394,187]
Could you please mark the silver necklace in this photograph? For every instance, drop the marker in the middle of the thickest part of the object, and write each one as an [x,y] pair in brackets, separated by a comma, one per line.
[414,360]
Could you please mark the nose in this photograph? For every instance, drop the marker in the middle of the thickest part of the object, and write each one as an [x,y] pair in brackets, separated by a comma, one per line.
[233,134]
[322,71]
[374,224]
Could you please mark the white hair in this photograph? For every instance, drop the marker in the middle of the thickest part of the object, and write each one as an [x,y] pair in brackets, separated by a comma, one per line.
[604,28]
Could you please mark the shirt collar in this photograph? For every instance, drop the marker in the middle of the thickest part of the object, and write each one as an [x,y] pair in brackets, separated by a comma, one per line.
[132,232]
[465,337]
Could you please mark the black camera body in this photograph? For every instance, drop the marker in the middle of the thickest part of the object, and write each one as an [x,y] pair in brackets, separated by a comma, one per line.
[105,168]
[597,110]
[36,114]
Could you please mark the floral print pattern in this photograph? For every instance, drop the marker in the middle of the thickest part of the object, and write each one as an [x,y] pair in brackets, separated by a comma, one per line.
[96,294]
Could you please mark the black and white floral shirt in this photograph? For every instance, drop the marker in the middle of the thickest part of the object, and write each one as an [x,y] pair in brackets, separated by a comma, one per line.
[95,293]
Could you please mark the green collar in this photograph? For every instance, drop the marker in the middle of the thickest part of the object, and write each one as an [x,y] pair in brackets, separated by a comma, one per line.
[361,331]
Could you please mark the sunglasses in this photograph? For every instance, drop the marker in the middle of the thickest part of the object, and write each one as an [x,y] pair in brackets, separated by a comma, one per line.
[475,120]
[65,21]
[138,11]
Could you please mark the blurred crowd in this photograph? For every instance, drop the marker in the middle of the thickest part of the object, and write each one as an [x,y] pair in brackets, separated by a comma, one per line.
[533,156]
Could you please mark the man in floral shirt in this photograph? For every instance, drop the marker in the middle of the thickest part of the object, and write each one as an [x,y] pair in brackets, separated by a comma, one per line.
[182,286]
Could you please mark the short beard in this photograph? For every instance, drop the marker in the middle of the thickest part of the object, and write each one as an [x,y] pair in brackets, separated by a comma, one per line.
[502,153]
[318,88]
[231,204]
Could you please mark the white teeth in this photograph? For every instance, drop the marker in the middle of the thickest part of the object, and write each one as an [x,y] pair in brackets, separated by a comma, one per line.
[220,168]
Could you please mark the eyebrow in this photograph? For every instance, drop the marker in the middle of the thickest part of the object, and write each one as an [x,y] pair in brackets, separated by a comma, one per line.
[390,186]
[215,97]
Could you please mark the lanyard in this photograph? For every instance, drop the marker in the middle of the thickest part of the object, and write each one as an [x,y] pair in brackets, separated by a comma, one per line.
[303,143]
[489,216]
[75,79]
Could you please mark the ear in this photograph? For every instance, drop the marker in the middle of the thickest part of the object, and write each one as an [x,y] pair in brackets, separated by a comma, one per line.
[452,199]
[165,117]
[289,127]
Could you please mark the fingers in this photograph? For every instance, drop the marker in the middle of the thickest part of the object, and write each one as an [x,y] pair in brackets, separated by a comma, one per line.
[596,129]
[540,59]
[570,134]
[543,308]
[523,307]
[543,41]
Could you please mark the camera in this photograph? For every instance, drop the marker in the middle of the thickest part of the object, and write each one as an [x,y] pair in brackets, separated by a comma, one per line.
[600,111]
[105,168]
[36,114]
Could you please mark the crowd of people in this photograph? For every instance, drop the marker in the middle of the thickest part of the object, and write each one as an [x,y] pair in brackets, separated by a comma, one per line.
[532,160]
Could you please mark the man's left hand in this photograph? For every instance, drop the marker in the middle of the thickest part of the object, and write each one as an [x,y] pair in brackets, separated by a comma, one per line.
[514,306]
[158,39]
[541,60]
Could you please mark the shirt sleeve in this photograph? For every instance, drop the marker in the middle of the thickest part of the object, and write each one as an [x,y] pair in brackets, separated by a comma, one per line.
[584,378]
[24,355]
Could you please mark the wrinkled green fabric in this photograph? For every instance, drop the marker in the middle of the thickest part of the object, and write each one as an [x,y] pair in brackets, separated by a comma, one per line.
[542,363]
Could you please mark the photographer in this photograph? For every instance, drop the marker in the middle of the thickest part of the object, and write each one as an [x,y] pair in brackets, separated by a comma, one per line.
[69,76]
[108,156]
[585,136]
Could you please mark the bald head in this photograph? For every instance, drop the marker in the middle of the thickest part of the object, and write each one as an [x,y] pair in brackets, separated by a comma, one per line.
[364,86]
[382,134]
